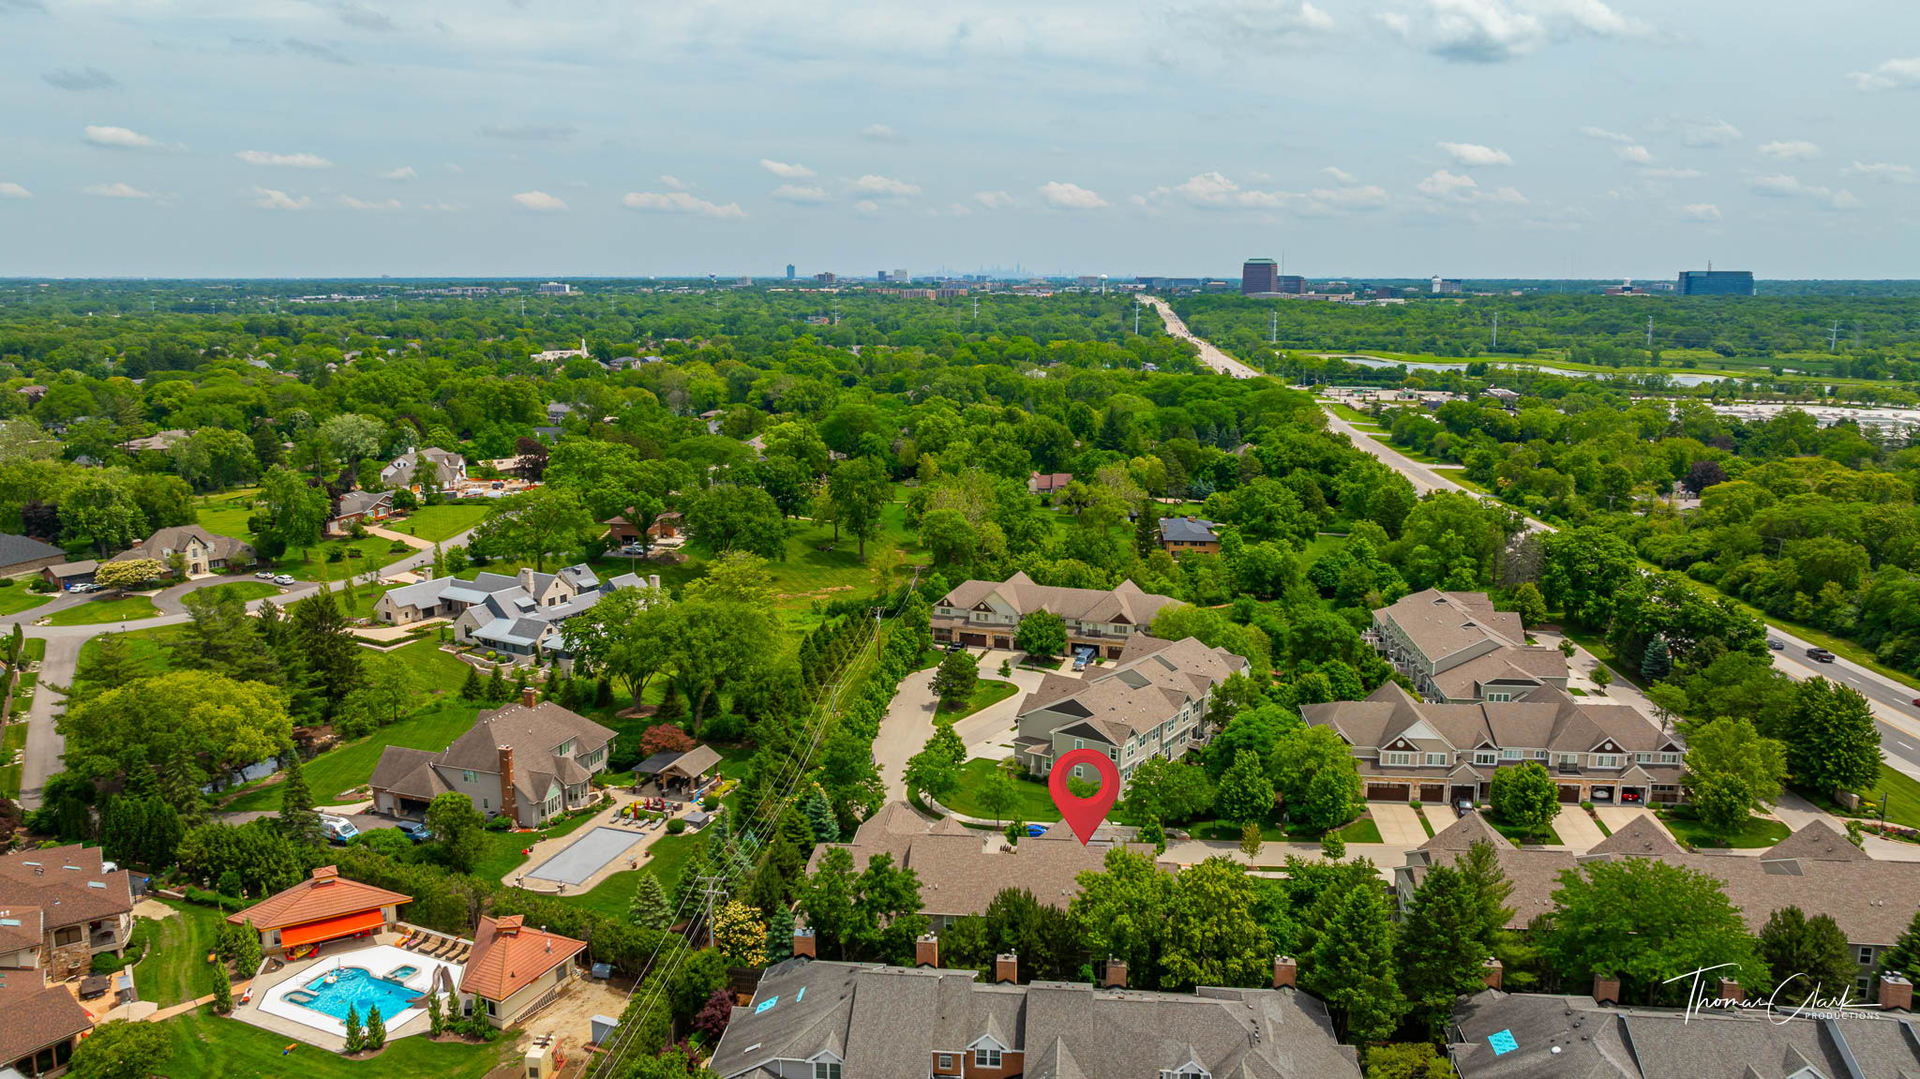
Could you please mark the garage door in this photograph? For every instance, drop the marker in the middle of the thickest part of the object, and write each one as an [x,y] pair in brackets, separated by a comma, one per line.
[1387,792]
[1569,793]
[1433,793]
[976,640]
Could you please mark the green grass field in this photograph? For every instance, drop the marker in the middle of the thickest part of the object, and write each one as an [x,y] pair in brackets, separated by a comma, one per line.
[146,647]
[333,773]
[437,523]
[244,591]
[667,859]
[985,692]
[13,737]
[226,514]
[100,611]
[1031,800]
[503,848]
[206,1046]
[175,968]
[1518,835]
[20,598]
[1757,832]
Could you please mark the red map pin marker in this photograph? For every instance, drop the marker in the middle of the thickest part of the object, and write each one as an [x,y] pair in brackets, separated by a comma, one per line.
[1084,814]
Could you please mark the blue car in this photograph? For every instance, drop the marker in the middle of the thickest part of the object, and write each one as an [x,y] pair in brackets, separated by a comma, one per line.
[415,831]
[1036,829]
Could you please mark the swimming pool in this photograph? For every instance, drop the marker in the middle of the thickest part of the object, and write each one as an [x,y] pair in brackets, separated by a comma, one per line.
[356,988]
[587,855]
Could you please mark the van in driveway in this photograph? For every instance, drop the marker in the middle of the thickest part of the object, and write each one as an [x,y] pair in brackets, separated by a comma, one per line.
[338,830]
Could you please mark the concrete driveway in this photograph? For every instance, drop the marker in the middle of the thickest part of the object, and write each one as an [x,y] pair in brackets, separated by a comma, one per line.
[1399,824]
[1578,832]
[1618,817]
[909,720]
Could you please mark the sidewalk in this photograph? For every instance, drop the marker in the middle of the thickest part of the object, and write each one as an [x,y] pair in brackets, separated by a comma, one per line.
[412,541]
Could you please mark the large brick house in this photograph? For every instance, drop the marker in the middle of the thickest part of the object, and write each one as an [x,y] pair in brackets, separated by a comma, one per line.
[59,907]
[985,614]
[1456,647]
[529,760]
[1409,748]
[200,552]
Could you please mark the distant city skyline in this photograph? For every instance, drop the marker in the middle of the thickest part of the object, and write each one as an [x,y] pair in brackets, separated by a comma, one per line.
[1565,139]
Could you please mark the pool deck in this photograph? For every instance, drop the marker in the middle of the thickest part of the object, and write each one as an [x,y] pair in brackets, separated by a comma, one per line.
[630,858]
[313,1035]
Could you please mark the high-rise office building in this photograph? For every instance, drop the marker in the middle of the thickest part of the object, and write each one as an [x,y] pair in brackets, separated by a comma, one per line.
[1259,275]
[1716,282]
[789,271]
[1290,285]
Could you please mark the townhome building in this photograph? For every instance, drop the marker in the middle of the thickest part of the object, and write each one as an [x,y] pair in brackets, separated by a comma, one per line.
[517,616]
[1816,869]
[529,761]
[1408,748]
[985,614]
[1152,704]
[1455,647]
[824,1020]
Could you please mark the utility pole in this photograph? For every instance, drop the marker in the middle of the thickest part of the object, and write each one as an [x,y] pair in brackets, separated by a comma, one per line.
[1136,318]
[1273,327]
[1496,331]
[710,887]
[1833,338]
[1649,335]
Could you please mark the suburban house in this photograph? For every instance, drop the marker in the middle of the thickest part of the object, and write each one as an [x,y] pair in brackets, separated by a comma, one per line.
[518,616]
[622,531]
[201,552]
[1496,1035]
[59,907]
[1409,748]
[1152,704]
[1815,869]
[985,614]
[68,574]
[1456,647]
[1047,484]
[961,869]
[515,968]
[820,1020]
[159,443]
[360,507]
[326,906]
[527,761]
[1180,535]
[24,554]
[447,469]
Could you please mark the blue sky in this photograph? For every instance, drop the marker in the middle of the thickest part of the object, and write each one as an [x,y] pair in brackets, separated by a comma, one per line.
[1588,138]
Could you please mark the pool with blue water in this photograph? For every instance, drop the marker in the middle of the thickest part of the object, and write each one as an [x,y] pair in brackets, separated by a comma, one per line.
[357,988]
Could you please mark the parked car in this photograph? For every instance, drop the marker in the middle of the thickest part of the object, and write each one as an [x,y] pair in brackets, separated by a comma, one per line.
[84,586]
[415,831]
[1776,644]
[338,830]
[1462,807]
[265,574]
[956,647]
[1079,663]
[1819,655]
[283,580]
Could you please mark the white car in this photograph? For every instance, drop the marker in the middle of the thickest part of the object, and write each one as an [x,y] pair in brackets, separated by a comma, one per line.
[265,575]
[283,580]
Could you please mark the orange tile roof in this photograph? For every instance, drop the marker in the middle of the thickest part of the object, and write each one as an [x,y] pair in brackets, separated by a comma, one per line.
[326,894]
[508,956]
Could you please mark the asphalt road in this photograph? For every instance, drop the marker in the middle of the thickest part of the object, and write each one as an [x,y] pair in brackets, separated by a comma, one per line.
[1209,355]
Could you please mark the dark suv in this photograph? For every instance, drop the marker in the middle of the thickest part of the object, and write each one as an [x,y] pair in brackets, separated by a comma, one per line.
[1819,655]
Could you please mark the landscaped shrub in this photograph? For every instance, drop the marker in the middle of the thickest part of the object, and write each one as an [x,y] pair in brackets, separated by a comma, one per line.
[676,826]
[501,823]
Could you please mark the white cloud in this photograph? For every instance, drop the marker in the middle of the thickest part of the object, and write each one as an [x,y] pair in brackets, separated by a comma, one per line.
[1882,171]
[1492,31]
[1214,191]
[1780,186]
[1704,134]
[268,198]
[1339,174]
[14,191]
[786,171]
[1891,75]
[286,161]
[1472,153]
[1258,26]
[880,133]
[118,138]
[119,190]
[679,202]
[1066,196]
[805,195]
[1635,155]
[1791,149]
[674,182]
[1700,211]
[867,206]
[1604,135]
[352,203]
[993,200]
[1453,187]
[540,201]
[404,172]
[884,186]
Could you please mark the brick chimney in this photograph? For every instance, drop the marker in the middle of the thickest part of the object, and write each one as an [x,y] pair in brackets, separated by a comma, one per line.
[1896,992]
[1493,972]
[1606,990]
[926,951]
[803,942]
[1286,972]
[1006,969]
[1730,990]
[509,805]
[1115,974]
[529,696]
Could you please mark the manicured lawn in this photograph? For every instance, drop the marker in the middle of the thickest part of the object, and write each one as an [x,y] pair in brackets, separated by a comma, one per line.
[99,611]
[19,597]
[244,591]
[175,967]
[612,896]
[146,647]
[503,848]
[1031,800]
[226,514]
[432,669]
[337,771]
[1424,822]
[207,1046]
[443,522]
[1757,832]
[1520,835]
[985,692]
[13,737]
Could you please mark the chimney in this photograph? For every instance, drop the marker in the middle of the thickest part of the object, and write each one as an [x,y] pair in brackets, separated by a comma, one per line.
[1286,972]
[926,951]
[803,942]
[525,577]
[529,696]
[1896,992]
[509,806]
[1115,975]
[1606,990]
[1730,990]
[1006,969]
[1493,972]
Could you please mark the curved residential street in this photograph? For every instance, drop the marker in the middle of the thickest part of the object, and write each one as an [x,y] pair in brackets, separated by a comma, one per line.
[44,745]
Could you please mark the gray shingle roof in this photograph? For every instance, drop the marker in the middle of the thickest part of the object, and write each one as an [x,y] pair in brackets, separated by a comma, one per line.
[16,549]
[1187,530]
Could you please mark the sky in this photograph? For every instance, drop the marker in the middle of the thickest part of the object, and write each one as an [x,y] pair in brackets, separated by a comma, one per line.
[1402,138]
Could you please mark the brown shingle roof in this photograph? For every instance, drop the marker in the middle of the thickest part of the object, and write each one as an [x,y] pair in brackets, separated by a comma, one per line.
[37,1015]
[508,956]
[1126,603]
[326,894]
[68,885]
[1441,624]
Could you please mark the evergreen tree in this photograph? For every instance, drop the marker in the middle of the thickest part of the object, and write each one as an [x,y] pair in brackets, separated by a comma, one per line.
[222,991]
[496,687]
[1904,957]
[819,814]
[649,909]
[1656,661]
[1808,956]
[356,1034]
[180,783]
[436,1017]
[1350,963]
[376,1036]
[780,923]
[298,820]
[332,658]
[1440,949]
[473,689]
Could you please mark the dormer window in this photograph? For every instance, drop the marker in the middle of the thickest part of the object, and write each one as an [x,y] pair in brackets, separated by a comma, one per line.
[826,1069]
[1189,1070]
[984,1057]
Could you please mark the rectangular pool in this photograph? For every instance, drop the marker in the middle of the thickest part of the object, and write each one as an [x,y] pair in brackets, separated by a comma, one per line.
[586,855]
